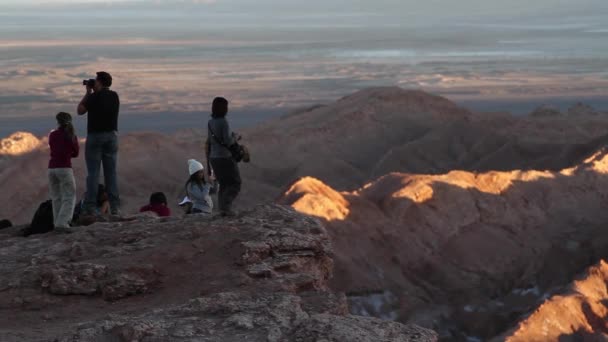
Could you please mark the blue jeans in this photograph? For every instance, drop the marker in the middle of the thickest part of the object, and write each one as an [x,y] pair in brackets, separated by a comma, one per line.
[101,149]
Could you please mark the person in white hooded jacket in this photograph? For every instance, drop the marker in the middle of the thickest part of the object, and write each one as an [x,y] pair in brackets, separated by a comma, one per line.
[198,189]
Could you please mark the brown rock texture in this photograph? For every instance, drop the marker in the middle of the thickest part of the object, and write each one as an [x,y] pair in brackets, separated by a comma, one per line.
[259,277]
[19,143]
[578,313]
[464,253]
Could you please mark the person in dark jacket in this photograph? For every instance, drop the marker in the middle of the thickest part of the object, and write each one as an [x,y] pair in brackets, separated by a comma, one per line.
[219,138]
[64,146]
[102,106]
[158,205]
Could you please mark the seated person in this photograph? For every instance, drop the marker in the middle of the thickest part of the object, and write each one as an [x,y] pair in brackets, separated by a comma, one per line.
[102,207]
[158,204]
[198,189]
[103,201]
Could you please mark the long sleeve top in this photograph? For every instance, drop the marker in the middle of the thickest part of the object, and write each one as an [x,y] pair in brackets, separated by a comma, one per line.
[63,149]
[200,195]
[160,209]
[221,130]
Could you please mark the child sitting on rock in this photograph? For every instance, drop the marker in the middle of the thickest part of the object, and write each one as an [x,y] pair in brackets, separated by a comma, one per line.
[102,206]
[158,205]
[198,190]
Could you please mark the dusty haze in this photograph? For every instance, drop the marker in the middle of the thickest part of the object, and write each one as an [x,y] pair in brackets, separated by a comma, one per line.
[174,57]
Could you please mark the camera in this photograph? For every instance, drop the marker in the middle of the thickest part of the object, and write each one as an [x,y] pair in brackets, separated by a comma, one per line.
[89,83]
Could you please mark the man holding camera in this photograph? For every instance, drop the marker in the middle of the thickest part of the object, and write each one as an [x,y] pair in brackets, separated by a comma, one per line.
[102,106]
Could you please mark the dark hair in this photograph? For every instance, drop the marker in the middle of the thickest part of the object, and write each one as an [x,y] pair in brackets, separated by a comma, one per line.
[5,224]
[65,122]
[194,179]
[219,108]
[158,198]
[104,78]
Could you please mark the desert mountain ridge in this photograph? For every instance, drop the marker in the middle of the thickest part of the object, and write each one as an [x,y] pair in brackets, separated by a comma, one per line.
[346,144]
[463,253]
[440,217]
[576,314]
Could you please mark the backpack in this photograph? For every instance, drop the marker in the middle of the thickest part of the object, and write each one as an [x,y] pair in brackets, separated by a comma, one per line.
[5,224]
[42,222]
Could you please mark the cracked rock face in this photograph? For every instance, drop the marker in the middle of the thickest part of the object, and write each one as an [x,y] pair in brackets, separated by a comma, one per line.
[260,277]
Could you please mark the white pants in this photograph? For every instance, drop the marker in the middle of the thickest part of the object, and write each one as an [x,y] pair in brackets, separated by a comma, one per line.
[63,194]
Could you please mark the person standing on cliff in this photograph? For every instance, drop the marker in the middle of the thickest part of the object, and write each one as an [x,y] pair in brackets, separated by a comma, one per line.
[102,106]
[226,169]
[62,185]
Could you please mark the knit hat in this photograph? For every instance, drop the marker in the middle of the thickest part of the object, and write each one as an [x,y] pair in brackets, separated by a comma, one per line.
[194,166]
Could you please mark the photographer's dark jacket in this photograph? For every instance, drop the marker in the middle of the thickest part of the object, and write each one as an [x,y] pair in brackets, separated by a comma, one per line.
[221,129]
[102,108]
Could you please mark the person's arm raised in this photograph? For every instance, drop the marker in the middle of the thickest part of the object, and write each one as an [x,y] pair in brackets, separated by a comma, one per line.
[82,106]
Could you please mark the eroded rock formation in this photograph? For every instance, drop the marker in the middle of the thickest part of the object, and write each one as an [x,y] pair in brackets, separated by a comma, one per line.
[464,253]
[346,144]
[577,313]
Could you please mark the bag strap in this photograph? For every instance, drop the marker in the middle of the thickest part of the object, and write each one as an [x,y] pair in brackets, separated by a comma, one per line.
[221,142]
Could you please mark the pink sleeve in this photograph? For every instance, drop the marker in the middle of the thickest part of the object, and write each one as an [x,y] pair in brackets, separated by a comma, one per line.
[52,139]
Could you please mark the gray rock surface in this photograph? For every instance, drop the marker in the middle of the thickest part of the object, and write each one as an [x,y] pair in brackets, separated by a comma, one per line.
[260,277]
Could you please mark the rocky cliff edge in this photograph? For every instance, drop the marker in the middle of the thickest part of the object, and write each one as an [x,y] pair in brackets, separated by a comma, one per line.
[260,277]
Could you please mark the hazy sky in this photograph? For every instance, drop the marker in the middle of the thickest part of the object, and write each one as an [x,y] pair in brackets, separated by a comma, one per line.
[290,53]
[405,7]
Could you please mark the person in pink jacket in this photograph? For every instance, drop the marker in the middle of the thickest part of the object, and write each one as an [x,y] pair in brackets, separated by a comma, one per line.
[62,185]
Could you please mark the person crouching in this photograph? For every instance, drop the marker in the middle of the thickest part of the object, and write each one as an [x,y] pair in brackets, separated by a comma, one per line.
[158,205]
[62,185]
[198,189]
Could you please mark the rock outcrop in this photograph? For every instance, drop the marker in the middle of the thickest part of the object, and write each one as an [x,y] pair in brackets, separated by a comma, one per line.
[577,313]
[260,277]
[15,145]
[464,253]
[19,143]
